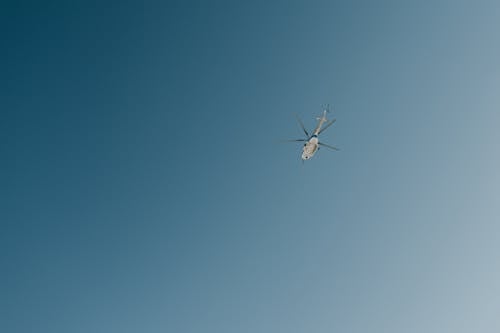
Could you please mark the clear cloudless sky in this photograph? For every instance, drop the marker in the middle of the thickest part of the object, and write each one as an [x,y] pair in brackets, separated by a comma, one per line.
[144,186]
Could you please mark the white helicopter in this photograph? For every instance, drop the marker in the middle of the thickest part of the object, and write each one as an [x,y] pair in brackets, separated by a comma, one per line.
[312,143]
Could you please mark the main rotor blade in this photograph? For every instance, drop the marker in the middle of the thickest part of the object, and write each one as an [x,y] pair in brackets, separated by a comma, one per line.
[327,125]
[301,125]
[328,146]
[296,140]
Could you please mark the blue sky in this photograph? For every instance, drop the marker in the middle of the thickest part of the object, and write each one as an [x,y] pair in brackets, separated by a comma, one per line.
[145,187]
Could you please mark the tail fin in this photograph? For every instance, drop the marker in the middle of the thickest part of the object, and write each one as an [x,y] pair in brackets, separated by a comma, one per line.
[323,116]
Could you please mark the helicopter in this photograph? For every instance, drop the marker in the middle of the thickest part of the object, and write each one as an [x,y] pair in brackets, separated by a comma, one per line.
[312,143]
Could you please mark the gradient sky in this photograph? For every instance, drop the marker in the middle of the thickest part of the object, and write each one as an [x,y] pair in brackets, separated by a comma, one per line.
[144,187]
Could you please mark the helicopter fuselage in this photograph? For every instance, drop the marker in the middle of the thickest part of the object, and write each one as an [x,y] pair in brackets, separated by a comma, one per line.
[310,147]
